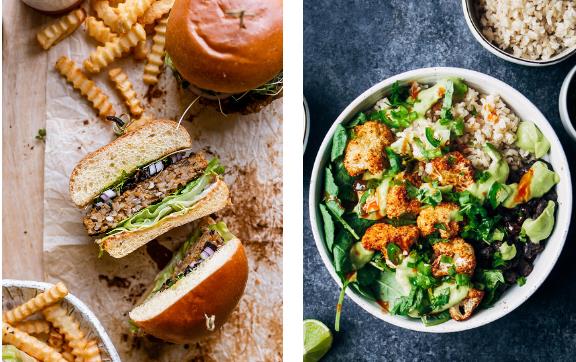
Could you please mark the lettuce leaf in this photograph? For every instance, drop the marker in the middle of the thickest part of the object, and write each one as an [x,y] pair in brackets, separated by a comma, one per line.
[176,203]
[222,229]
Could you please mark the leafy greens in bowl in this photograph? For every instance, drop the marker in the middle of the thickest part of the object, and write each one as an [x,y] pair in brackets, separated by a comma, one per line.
[440,200]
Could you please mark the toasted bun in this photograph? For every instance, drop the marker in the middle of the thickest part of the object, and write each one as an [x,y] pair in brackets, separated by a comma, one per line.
[103,167]
[122,244]
[179,314]
[213,48]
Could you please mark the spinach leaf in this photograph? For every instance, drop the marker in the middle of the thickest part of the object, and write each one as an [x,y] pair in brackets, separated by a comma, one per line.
[342,244]
[341,176]
[358,224]
[330,187]
[338,142]
[388,288]
[328,227]
[360,119]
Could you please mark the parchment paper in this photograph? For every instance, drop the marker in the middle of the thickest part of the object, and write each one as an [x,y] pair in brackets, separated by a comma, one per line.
[251,149]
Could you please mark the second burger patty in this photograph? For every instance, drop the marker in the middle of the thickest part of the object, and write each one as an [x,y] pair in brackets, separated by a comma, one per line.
[101,219]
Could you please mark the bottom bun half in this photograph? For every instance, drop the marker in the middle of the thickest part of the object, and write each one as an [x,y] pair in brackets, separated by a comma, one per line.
[198,304]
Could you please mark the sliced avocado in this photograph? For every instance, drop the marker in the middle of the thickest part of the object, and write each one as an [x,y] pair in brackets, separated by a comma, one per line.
[428,97]
[540,228]
[507,251]
[498,171]
[360,256]
[457,294]
[540,180]
[382,193]
[529,138]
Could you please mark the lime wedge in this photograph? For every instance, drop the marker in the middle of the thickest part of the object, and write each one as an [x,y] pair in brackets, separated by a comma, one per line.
[317,340]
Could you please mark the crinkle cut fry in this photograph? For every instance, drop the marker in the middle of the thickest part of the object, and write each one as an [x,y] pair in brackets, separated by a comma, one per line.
[105,12]
[140,51]
[157,10]
[35,326]
[60,29]
[87,87]
[128,14]
[29,344]
[92,352]
[68,326]
[99,31]
[125,88]
[39,302]
[155,58]
[106,54]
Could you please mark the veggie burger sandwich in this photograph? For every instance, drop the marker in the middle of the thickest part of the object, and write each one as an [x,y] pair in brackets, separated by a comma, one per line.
[143,184]
[140,186]
[227,52]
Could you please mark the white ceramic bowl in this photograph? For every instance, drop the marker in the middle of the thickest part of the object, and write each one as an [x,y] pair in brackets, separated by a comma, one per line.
[543,264]
[471,14]
[16,292]
[563,105]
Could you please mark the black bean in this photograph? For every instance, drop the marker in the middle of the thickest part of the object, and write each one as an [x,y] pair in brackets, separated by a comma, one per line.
[541,205]
[525,267]
[531,250]
[510,276]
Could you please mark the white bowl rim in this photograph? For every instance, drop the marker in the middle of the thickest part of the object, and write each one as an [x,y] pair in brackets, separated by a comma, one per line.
[507,56]
[563,104]
[77,303]
[561,227]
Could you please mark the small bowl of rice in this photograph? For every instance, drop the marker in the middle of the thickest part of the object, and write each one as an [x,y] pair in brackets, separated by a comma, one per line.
[528,32]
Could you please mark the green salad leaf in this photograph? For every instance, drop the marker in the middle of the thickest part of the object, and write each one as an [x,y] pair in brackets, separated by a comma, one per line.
[339,141]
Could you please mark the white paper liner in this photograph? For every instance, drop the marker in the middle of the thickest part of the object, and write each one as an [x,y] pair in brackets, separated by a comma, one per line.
[251,149]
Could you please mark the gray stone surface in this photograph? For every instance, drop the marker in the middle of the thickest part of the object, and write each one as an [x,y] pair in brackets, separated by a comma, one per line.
[349,46]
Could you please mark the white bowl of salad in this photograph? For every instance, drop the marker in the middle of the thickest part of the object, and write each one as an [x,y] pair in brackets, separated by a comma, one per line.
[440,200]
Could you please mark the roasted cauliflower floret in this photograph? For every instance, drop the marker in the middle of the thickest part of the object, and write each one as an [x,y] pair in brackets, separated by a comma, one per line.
[378,236]
[365,152]
[439,218]
[453,169]
[456,254]
[398,203]
[464,309]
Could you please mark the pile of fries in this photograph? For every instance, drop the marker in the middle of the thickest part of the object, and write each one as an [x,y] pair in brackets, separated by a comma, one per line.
[120,27]
[56,336]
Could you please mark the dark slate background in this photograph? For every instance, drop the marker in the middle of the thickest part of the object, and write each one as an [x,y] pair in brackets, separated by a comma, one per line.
[348,47]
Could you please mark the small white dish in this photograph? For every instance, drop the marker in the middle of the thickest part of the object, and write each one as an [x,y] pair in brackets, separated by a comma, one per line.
[16,292]
[526,110]
[306,123]
[563,103]
[472,16]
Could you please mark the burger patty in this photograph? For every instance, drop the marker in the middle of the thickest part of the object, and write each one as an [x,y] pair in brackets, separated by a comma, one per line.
[194,257]
[101,219]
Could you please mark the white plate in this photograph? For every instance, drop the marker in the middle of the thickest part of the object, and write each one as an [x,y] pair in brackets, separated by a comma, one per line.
[519,104]
[563,105]
[472,20]
[16,292]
